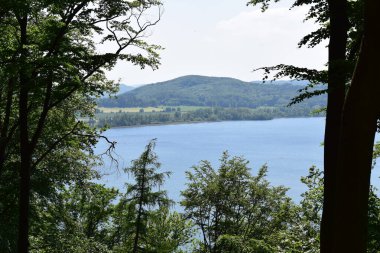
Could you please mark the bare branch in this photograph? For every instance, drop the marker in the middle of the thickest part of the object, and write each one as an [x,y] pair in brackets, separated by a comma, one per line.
[114,34]
[110,150]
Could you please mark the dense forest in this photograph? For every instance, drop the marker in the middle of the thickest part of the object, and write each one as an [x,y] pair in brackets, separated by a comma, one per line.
[229,208]
[213,92]
[52,76]
[207,114]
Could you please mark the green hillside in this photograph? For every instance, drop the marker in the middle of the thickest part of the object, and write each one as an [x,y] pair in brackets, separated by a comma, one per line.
[212,92]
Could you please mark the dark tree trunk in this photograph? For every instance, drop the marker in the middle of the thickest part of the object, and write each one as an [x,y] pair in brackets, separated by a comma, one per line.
[24,171]
[336,96]
[359,124]
[24,203]
[25,149]
[138,222]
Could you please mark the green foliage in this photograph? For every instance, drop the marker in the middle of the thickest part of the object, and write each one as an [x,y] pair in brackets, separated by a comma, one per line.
[63,161]
[147,179]
[303,235]
[168,232]
[238,244]
[230,201]
[211,92]
[373,222]
[201,115]
[376,153]
[88,217]
[142,219]
[141,195]
[50,76]
[79,220]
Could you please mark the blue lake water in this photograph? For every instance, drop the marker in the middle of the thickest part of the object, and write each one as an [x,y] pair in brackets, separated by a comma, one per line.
[288,146]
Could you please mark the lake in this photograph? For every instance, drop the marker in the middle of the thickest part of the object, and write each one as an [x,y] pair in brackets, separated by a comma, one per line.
[288,146]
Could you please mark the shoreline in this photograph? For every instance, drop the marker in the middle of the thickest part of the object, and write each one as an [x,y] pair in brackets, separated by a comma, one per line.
[197,122]
[169,123]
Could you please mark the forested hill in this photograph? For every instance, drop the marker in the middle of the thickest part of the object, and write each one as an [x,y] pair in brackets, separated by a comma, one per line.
[124,88]
[211,91]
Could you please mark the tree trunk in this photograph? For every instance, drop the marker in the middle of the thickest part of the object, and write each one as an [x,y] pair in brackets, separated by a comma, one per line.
[336,96]
[25,149]
[24,170]
[141,203]
[24,204]
[138,225]
[360,115]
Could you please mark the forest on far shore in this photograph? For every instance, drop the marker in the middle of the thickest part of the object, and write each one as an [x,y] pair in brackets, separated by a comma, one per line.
[170,115]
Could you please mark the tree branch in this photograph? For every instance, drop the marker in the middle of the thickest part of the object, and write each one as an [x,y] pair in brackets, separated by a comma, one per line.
[53,146]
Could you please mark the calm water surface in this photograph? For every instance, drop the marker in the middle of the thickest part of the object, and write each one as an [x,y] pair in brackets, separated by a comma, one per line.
[288,146]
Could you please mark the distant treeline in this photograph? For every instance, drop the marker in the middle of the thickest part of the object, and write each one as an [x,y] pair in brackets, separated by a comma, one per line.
[175,115]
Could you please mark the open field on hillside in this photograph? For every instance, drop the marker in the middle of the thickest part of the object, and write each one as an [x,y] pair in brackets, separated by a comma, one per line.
[149,109]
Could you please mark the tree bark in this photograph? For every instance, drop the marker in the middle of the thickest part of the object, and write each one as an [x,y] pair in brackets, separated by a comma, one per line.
[25,152]
[24,202]
[359,124]
[335,101]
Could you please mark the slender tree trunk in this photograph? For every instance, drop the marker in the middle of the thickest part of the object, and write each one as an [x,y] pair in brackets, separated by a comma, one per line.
[138,225]
[336,96]
[216,231]
[24,172]
[141,203]
[360,115]
[24,203]
[25,149]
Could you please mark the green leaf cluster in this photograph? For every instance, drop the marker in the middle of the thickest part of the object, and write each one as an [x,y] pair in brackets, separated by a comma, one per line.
[230,205]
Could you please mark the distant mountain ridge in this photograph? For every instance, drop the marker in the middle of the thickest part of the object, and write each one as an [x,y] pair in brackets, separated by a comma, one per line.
[123,88]
[293,82]
[194,90]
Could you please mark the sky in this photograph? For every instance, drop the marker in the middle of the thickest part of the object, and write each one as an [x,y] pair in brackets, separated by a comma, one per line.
[224,38]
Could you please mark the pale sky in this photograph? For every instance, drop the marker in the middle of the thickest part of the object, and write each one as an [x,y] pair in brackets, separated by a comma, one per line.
[224,38]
